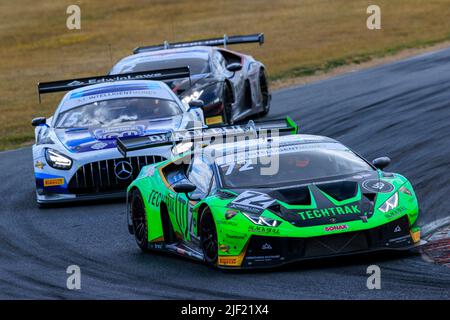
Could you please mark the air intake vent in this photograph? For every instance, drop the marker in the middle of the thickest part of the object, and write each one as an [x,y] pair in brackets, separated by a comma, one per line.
[223,194]
[340,190]
[105,175]
[370,196]
[294,196]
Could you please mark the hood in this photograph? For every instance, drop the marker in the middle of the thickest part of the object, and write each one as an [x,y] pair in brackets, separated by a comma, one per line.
[329,202]
[78,140]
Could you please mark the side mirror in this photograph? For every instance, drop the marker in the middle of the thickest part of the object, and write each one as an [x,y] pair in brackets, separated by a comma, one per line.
[381,163]
[184,186]
[196,104]
[38,121]
[235,66]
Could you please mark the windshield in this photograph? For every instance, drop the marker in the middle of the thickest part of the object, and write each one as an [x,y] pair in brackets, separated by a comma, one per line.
[297,167]
[115,111]
[196,65]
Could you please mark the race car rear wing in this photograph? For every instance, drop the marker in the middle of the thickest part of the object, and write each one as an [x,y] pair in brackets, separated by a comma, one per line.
[171,138]
[70,84]
[224,41]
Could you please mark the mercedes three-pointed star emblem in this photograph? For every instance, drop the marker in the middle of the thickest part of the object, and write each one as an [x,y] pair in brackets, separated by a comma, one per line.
[123,170]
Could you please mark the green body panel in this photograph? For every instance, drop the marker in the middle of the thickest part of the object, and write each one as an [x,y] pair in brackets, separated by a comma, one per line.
[234,233]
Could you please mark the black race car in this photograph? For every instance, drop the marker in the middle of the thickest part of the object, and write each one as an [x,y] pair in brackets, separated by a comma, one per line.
[232,86]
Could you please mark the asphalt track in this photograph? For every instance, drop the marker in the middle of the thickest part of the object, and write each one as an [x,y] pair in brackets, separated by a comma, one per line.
[401,110]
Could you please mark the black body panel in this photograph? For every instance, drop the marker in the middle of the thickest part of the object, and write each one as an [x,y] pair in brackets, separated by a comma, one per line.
[264,251]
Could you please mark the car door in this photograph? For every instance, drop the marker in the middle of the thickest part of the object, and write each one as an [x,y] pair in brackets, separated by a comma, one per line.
[199,173]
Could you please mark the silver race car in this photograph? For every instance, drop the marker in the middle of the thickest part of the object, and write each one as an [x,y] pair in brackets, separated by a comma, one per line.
[232,85]
[75,155]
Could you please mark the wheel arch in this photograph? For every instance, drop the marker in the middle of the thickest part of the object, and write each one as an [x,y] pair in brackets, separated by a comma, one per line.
[228,83]
[200,210]
[128,204]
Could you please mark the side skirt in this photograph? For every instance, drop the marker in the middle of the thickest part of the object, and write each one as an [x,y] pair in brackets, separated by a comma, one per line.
[180,248]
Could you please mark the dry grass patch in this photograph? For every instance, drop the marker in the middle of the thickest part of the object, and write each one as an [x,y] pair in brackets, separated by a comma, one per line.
[303,37]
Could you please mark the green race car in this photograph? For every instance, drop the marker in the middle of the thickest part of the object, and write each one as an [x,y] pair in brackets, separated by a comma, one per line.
[267,200]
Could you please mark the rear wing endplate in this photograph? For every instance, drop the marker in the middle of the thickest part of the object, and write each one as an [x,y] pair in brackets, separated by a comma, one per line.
[224,41]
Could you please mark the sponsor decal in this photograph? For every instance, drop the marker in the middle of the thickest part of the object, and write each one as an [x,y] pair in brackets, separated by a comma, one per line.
[415,235]
[230,214]
[204,134]
[119,132]
[214,120]
[53,182]
[224,248]
[150,171]
[98,145]
[252,202]
[329,212]
[123,170]
[262,229]
[336,228]
[234,236]
[405,191]
[229,261]
[158,246]
[155,198]
[397,229]
[376,185]
[395,212]
[39,165]
[74,83]
[227,223]
[264,258]
[142,76]
[158,138]
[266,246]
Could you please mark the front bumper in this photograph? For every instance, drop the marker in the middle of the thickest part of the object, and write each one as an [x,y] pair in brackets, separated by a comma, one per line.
[270,251]
[55,198]
[91,177]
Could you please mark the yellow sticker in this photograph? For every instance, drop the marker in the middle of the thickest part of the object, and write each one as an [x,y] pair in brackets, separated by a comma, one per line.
[53,182]
[415,235]
[214,120]
[229,261]
[39,165]
[235,261]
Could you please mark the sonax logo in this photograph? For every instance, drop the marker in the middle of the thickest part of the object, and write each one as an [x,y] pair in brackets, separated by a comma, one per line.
[335,228]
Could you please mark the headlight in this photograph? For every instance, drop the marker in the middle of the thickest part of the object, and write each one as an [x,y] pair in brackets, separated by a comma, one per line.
[261,221]
[182,147]
[209,94]
[390,203]
[57,160]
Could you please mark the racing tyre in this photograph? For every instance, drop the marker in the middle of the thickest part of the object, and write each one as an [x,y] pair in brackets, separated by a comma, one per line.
[208,237]
[139,220]
[265,96]
[227,104]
